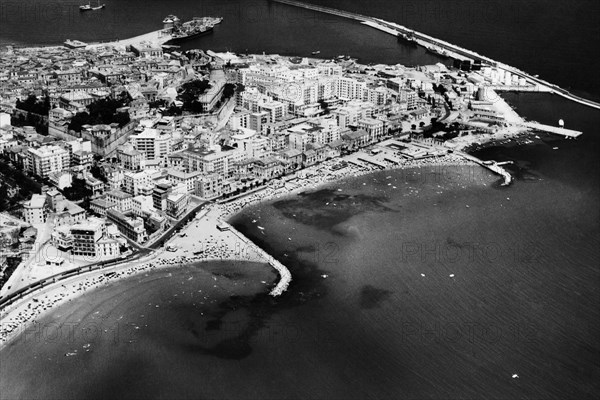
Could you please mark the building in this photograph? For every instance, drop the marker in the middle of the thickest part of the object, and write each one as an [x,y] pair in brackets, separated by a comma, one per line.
[159,195]
[209,186]
[130,158]
[90,239]
[35,211]
[120,200]
[68,213]
[177,202]
[210,161]
[99,206]
[136,183]
[374,127]
[61,179]
[209,98]
[85,235]
[188,179]
[153,143]
[47,159]
[131,228]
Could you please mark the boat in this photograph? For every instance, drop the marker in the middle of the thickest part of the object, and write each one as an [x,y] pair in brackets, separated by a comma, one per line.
[190,29]
[314,53]
[89,7]
[438,51]
[407,38]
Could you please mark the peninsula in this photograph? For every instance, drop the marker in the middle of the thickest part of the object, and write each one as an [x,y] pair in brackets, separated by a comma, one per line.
[134,156]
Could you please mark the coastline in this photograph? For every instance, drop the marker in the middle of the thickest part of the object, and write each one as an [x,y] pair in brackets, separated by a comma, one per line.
[229,245]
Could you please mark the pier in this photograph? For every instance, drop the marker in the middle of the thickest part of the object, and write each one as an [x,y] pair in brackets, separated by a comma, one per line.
[155,38]
[493,166]
[568,133]
[451,50]
[285,277]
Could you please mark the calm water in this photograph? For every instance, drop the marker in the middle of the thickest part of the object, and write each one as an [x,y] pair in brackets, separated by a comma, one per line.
[360,319]
[553,38]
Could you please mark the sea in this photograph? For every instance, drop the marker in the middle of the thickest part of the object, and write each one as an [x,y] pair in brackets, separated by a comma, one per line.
[431,282]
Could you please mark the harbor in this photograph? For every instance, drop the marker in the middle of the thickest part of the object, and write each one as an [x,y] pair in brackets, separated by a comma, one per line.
[449,49]
[173,32]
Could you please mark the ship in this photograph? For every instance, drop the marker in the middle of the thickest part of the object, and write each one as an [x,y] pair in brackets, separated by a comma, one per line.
[190,29]
[314,53]
[89,7]
[438,51]
[407,38]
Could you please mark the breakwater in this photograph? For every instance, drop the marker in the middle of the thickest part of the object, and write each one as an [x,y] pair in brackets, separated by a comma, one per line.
[285,277]
[451,50]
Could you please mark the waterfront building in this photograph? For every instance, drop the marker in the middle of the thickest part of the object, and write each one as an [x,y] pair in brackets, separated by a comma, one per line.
[91,240]
[179,177]
[177,202]
[374,127]
[131,228]
[209,186]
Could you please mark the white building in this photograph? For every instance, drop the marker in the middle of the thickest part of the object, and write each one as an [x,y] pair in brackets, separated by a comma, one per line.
[48,159]
[153,143]
[35,211]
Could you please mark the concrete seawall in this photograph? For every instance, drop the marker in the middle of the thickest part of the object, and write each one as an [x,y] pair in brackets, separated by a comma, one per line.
[491,165]
[285,277]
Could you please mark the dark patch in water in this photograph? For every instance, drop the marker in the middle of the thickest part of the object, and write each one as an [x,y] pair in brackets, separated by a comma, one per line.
[371,297]
[306,285]
[327,207]
[213,325]
[230,275]
[306,249]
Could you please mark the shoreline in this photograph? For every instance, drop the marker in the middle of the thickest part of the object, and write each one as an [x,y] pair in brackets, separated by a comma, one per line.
[20,316]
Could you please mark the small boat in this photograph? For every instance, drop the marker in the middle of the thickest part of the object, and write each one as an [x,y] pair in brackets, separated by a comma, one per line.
[89,7]
[314,53]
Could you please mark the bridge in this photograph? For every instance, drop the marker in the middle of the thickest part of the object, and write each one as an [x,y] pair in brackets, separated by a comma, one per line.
[569,133]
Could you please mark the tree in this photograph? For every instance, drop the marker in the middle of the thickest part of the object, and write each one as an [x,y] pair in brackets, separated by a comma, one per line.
[413,127]
[103,111]
[77,190]
[228,90]
[98,173]
[33,105]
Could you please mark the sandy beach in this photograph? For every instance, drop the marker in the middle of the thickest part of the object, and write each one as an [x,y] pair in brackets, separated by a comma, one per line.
[200,240]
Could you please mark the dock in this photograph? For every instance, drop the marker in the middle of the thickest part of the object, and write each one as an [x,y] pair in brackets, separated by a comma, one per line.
[154,38]
[568,133]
